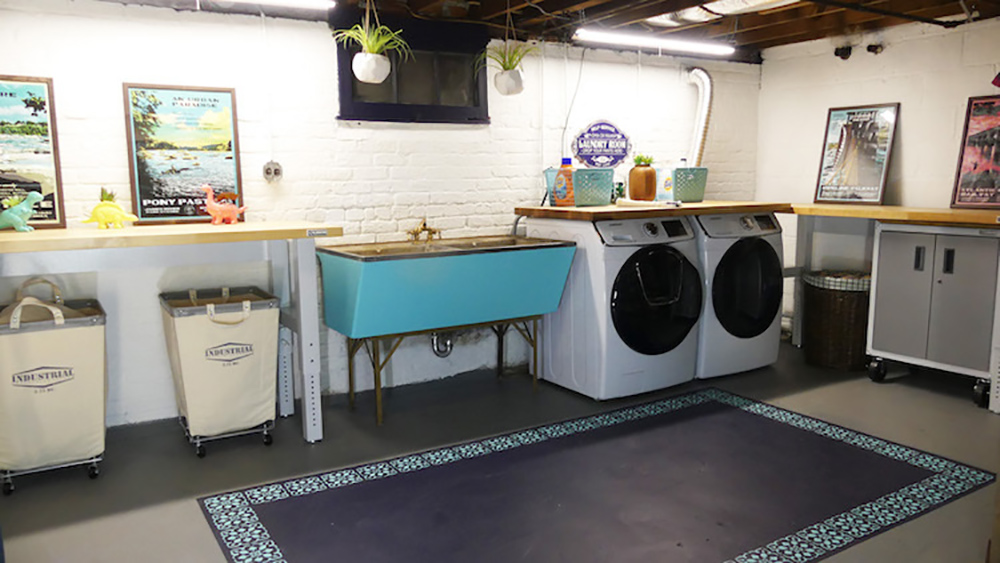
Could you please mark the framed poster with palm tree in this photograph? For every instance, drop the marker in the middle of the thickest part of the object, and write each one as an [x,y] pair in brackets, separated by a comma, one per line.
[29,149]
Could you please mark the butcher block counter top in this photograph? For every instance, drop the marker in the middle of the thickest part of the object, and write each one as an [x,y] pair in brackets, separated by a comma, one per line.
[632,211]
[81,238]
[899,214]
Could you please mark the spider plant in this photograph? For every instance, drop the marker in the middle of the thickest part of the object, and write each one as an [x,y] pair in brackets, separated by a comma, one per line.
[374,39]
[507,55]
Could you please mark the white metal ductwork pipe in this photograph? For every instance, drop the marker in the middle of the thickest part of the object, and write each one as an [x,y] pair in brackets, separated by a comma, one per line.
[700,78]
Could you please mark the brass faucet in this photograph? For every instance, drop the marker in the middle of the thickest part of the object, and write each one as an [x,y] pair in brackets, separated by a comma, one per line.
[423,228]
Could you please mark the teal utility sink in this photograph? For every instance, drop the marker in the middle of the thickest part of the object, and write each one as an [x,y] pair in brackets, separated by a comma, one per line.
[379,289]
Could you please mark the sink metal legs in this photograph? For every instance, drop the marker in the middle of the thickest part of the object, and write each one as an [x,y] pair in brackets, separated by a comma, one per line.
[374,352]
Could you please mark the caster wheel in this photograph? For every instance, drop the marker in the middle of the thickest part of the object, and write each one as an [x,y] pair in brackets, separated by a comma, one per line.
[877,370]
[268,439]
[199,450]
[981,393]
[8,488]
[93,472]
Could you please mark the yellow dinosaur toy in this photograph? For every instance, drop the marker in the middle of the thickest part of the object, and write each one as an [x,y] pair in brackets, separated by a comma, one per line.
[108,213]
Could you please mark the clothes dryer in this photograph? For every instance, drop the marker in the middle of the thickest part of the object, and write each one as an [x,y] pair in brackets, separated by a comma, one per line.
[628,319]
[744,281]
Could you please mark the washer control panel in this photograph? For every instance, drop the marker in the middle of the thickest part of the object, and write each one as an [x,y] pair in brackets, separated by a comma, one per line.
[734,225]
[638,232]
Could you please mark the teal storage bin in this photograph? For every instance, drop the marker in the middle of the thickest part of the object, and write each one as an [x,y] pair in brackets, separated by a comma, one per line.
[593,186]
[689,184]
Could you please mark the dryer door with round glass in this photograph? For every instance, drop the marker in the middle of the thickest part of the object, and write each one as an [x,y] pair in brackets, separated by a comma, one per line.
[656,299]
[747,287]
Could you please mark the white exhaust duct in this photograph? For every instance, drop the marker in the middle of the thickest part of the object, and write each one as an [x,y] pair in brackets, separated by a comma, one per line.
[700,78]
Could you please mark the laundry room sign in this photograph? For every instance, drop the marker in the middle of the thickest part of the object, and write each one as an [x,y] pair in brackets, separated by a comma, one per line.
[601,145]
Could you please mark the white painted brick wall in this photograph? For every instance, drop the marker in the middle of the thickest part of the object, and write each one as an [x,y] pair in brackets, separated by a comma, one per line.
[930,71]
[376,180]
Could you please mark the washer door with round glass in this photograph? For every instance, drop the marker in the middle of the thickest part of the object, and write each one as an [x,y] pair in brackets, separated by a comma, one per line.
[747,287]
[656,299]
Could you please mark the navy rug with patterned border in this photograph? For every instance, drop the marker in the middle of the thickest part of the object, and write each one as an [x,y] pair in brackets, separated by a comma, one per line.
[704,477]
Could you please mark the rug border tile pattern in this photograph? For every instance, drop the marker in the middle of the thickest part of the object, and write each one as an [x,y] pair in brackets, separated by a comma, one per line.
[244,539]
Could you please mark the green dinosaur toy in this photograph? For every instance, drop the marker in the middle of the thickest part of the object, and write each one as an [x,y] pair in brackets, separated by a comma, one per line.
[18,215]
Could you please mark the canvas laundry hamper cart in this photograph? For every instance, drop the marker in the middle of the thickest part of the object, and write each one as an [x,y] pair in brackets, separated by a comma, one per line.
[53,387]
[223,348]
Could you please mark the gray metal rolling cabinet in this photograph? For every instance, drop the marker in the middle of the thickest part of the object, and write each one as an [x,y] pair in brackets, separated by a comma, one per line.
[934,300]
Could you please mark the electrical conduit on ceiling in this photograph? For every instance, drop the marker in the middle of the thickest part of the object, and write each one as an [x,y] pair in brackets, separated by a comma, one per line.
[700,78]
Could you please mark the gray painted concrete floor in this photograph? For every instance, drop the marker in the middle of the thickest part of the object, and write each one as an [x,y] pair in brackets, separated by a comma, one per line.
[142,508]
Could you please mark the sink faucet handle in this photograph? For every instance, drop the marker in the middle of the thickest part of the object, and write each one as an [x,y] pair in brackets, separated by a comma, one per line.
[415,232]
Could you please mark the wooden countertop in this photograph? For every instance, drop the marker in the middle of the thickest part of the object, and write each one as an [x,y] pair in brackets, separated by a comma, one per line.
[81,238]
[899,214]
[614,212]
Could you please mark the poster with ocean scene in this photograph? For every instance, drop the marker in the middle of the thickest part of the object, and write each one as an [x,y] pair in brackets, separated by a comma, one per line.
[29,154]
[181,139]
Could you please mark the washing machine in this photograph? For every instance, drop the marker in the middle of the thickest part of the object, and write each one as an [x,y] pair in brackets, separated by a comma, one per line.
[628,319]
[741,256]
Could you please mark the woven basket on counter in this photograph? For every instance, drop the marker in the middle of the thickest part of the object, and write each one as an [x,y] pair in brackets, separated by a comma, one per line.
[835,318]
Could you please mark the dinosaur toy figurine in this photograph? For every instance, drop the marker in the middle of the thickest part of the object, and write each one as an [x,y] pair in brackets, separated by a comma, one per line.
[221,211]
[17,216]
[109,213]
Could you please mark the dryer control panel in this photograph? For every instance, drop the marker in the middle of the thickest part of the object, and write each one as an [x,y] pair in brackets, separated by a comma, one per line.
[734,225]
[638,232]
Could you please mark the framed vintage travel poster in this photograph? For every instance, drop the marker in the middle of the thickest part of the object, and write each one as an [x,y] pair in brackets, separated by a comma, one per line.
[181,139]
[977,182]
[856,150]
[29,148]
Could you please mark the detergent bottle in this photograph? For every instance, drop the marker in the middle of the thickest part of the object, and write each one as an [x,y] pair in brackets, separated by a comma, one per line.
[562,192]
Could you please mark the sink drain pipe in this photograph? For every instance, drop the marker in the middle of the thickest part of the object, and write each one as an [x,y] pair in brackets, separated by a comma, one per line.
[441,345]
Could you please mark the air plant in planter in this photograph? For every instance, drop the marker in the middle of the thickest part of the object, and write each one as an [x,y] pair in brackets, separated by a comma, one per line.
[371,64]
[507,57]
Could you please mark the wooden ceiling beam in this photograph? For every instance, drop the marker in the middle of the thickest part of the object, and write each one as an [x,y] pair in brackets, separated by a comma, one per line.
[831,21]
[426,6]
[756,20]
[783,35]
[557,8]
[623,9]
[639,14]
[489,9]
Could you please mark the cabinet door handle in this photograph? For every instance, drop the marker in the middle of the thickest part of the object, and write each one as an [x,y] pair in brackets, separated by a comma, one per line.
[918,258]
[949,261]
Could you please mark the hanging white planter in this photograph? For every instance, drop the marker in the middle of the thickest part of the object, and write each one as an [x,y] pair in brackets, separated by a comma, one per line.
[371,68]
[509,82]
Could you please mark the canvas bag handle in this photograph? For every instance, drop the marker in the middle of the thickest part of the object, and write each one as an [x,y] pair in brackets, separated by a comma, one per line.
[18,309]
[56,292]
[210,309]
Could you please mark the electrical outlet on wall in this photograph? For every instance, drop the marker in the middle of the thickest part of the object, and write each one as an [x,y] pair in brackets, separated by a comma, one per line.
[272,171]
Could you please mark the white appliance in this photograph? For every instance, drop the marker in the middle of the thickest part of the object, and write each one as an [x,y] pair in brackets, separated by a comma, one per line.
[741,256]
[628,319]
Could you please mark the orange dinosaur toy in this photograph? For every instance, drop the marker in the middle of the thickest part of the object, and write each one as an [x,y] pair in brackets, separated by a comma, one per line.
[221,211]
